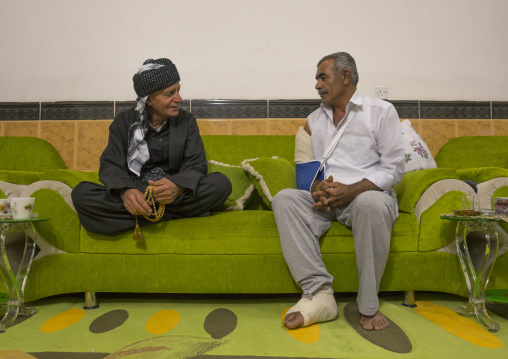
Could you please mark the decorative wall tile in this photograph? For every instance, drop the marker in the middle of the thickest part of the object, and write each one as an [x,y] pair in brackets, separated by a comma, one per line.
[19,111]
[61,134]
[213,127]
[248,126]
[406,109]
[25,128]
[186,105]
[500,127]
[436,133]
[455,110]
[285,126]
[499,110]
[77,110]
[92,140]
[292,108]
[474,128]
[125,105]
[229,108]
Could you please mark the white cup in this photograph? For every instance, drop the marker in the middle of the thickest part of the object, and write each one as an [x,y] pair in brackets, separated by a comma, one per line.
[5,206]
[22,207]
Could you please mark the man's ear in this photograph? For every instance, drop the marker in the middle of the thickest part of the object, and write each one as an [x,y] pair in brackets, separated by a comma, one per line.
[148,101]
[345,76]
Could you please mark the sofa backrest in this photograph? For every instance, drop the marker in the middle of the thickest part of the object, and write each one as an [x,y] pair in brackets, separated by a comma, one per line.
[234,149]
[29,154]
[474,151]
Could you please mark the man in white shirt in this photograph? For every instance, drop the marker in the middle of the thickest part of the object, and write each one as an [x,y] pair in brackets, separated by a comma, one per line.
[357,191]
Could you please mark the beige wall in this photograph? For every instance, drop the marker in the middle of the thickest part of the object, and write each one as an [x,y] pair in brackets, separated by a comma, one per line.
[81,142]
[66,50]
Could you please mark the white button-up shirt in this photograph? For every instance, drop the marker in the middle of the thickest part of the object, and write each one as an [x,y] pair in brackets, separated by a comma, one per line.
[371,147]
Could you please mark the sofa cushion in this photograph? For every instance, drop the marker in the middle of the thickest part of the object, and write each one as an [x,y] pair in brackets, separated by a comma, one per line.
[233,233]
[242,188]
[29,154]
[270,175]
[473,152]
[234,149]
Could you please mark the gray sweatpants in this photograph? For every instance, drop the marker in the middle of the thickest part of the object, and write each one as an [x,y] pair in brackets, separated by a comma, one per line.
[371,216]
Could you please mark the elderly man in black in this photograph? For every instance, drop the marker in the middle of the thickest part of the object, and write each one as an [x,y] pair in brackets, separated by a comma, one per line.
[155,155]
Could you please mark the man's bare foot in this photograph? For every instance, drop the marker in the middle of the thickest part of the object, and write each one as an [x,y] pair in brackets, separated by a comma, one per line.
[293,320]
[374,322]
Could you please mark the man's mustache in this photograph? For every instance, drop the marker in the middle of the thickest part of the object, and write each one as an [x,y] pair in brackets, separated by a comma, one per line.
[322,92]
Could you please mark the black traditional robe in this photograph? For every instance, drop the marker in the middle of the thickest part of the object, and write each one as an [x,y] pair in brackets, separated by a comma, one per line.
[186,154]
[100,208]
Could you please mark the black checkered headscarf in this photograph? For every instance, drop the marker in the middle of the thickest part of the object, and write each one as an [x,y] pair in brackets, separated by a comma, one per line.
[150,79]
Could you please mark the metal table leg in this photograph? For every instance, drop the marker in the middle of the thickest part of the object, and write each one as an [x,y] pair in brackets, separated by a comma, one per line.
[477,278]
[15,283]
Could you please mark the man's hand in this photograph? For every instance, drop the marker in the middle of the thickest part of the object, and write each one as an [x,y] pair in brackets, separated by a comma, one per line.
[330,195]
[339,195]
[134,202]
[165,191]
[320,194]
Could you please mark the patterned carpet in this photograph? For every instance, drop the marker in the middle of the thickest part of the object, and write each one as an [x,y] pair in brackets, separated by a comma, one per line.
[223,327]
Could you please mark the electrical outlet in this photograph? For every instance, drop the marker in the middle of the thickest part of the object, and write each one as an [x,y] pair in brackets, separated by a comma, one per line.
[381,92]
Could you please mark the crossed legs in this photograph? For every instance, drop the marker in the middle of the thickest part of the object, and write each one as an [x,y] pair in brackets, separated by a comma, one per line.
[98,213]
[371,216]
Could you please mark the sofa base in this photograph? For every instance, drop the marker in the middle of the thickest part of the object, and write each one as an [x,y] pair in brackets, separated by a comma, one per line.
[228,274]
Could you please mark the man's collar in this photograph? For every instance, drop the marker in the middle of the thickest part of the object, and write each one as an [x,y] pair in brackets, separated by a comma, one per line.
[356,99]
[157,129]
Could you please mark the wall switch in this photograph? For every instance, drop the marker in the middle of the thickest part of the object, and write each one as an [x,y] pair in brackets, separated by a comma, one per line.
[381,92]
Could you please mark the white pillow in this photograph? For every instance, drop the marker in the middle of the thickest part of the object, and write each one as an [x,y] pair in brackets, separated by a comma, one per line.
[416,153]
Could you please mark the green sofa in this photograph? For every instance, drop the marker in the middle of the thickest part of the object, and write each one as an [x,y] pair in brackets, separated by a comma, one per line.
[233,251]
[482,159]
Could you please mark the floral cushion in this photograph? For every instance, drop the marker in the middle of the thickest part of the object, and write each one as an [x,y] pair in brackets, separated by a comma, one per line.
[416,153]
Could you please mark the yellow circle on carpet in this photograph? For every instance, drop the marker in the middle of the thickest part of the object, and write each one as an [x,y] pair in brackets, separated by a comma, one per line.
[63,320]
[162,322]
[306,335]
[458,325]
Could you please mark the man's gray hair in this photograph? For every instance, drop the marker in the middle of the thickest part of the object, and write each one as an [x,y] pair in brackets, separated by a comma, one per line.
[343,61]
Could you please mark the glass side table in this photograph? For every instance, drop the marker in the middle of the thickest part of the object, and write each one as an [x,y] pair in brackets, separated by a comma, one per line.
[476,278]
[15,282]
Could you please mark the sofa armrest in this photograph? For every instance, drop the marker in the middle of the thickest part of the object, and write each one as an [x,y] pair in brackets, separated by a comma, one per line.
[482,174]
[414,184]
[53,201]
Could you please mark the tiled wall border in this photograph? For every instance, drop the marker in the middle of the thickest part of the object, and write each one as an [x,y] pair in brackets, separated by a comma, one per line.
[246,109]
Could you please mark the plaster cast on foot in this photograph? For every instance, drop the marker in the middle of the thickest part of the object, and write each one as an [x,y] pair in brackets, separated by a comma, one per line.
[321,308]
